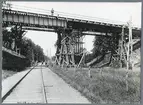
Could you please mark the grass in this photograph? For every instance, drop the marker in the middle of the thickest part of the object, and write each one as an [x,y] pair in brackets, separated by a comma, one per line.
[106,85]
[7,73]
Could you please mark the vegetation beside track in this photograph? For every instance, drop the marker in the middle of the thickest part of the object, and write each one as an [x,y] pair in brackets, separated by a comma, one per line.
[7,73]
[106,85]
[13,40]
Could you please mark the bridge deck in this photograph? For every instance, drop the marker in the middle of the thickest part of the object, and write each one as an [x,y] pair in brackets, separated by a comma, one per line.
[13,17]
[32,19]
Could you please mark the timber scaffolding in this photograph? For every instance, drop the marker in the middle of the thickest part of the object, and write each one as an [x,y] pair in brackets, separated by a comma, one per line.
[126,45]
[69,48]
[71,53]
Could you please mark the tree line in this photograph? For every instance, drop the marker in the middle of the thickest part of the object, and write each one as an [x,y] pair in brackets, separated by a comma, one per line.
[101,46]
[13,39]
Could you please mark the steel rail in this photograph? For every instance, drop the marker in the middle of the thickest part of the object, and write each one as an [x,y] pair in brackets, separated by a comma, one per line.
[43,87]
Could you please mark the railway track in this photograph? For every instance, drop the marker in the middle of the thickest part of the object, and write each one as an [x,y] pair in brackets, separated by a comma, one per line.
[41,85]
[13,89]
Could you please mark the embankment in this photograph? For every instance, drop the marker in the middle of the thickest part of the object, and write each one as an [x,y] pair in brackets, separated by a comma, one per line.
[15,63]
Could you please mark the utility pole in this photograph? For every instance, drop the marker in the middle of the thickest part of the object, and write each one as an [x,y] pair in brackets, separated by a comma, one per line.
[47,57]
[50,56]
[122,47]
[32,57]
[129,51]
[129,46]
[37,57]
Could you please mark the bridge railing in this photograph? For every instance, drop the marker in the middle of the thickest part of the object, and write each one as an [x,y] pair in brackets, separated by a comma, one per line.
[88,18]
[66,15]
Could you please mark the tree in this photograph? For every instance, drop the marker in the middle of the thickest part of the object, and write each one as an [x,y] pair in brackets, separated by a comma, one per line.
[103,45]
[7,40]
[28,48]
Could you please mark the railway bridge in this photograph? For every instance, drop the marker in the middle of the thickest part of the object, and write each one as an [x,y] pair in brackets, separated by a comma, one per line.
[70,33]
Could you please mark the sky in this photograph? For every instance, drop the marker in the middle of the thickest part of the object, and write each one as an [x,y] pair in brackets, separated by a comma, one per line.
[112,12]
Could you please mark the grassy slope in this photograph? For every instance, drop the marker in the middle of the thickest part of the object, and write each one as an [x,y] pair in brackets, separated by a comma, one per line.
[107,85]
[7,73]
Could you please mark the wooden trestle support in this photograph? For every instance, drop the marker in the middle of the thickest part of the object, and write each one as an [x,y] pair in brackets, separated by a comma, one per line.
[69,45]
[125,48]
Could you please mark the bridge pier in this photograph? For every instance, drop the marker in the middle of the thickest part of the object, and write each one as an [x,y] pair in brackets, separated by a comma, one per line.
[69,46]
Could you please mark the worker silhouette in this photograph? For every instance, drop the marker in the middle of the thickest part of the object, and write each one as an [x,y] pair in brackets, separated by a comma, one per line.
[52,12]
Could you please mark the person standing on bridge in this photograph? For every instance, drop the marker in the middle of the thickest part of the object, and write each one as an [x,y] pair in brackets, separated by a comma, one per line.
[52,12]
